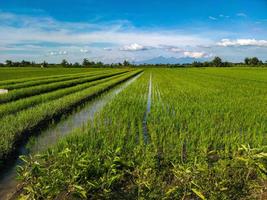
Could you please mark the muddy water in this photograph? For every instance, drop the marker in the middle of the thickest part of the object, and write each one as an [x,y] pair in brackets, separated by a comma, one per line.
[55,131]
[148,108]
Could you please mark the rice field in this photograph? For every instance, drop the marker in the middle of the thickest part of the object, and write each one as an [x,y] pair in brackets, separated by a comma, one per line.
[171,134]
[26,73]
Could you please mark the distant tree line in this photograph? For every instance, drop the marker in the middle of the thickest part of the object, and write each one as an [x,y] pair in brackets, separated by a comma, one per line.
[216,62]
[64,63]
[23,63]
[253,61]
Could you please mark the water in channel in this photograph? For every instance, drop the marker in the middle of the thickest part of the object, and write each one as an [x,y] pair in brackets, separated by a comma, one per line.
[148,108]
[55,131]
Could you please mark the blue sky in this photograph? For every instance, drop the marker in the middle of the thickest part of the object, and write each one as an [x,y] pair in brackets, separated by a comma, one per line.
[114,30]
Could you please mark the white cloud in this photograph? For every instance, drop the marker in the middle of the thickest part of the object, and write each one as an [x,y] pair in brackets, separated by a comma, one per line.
[62,52]
[84,50]
[52,53]
[57,53]
[241,15]
[175,49]
[224,16]
[107,49]
[242,42]
[212,18]
[35,37]
[134,47]
[186,53]
[47,29]
[195,54]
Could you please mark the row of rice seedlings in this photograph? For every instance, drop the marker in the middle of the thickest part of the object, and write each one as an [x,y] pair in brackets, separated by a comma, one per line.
[36,90]
[102,154]
[23,80]
[241,85]
[199,129]
[51,80]
[14,127]
[227,114]
[18,105]
[246,74]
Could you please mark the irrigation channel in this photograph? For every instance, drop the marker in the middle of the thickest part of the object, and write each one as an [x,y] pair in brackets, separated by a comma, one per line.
[54,132]
[148,108]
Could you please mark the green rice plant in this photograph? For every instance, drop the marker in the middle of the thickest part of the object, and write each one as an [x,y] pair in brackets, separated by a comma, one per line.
[21,74]
[18,105]
[26,83]
[14,127]
[104,144]
[36,90]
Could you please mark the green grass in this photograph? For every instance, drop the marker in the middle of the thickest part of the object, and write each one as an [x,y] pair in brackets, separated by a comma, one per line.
[207,134]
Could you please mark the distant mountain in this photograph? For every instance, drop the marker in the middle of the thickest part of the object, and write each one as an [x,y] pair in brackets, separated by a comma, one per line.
[169,60]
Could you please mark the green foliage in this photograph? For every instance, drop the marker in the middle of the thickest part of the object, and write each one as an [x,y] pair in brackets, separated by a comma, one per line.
[64,63]
[217,62]
[126,63]
[253,61]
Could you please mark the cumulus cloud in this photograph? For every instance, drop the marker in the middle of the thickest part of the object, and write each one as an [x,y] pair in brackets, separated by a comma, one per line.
[186,53]
[134,47]
[242,42]
[195,54]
